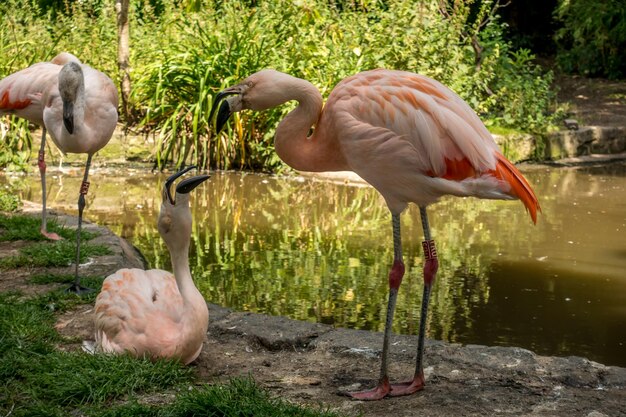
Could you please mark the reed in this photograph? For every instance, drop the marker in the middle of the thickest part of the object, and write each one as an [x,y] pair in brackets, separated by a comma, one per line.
[182,56]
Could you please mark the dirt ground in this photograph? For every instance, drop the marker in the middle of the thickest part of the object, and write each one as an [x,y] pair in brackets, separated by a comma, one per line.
[313,363]
[593,101]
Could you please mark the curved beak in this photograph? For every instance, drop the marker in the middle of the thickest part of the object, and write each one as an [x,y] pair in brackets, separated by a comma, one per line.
[187,185]
[68,116]
[172,178]
[224,110]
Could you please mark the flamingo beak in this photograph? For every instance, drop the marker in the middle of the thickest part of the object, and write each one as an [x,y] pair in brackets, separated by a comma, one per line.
[168,183]
[68,116]
[187,185]
[224,111]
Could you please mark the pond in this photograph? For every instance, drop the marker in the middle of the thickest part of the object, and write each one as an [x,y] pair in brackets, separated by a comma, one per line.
[320,252]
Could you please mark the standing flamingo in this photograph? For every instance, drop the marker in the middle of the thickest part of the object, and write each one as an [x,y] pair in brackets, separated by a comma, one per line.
[410,137]
[77,105]
[154,313]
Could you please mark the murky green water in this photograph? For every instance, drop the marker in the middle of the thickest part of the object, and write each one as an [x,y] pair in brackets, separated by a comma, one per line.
[321,252]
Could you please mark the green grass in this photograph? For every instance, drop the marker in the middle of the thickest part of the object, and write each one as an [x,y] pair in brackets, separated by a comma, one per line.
[239,398]
[51,254]
[20,227]
[38,379]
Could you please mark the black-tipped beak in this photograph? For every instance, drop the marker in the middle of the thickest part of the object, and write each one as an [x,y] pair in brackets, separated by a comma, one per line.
[224,109]
[172,178]
[222,116]
[68,116]
[187,185]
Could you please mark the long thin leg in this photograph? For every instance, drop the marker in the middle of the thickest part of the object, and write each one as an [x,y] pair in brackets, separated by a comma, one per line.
[84,188]
[431,265]
[41,162]
[395,279]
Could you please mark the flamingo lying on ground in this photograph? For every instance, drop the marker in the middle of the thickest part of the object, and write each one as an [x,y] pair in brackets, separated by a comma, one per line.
[77,105]
[410,137]
[154,313]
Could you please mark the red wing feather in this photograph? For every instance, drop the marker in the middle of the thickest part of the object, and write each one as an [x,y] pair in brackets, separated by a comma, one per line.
[460,169]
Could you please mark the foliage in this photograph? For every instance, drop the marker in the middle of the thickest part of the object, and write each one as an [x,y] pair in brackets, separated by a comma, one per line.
[9,202]
[592,40]
[221,45]
[182,56]
[514,102]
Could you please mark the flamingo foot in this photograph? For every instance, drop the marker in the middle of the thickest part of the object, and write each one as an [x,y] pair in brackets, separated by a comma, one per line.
[409,387]
[50,235]
[379,392]
[79,289]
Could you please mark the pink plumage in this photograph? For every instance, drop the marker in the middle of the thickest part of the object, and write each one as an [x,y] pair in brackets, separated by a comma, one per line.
[155,313]
[409,136]
[73,102]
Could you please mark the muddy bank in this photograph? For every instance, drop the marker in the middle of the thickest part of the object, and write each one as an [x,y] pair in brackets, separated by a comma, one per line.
[313,363]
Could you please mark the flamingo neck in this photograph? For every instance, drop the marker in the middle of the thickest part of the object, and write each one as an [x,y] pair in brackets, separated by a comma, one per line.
[180,266]
[313,153]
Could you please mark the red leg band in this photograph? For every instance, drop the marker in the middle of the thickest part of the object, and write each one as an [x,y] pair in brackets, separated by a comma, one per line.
[432,263]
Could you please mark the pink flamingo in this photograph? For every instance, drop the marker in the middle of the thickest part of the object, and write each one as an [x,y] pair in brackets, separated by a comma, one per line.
[77,105]
[409,136]
[154,313]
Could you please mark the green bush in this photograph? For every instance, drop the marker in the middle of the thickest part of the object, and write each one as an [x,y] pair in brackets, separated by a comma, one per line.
[592,40]
[182,56]
[9,202]
[219,46]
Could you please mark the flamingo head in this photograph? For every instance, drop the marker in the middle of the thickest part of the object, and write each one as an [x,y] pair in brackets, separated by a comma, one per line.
[174,222]
[71,84]
[261,91]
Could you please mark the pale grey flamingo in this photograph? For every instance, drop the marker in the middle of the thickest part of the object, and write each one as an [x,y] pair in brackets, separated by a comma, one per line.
[77,105]
[155,313]
[410,137]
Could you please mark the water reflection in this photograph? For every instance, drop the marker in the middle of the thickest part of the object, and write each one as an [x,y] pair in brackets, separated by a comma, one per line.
[321,252]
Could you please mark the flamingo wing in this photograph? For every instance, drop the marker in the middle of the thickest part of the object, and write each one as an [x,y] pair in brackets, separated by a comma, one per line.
[140,312]
[414,140]
[24,93]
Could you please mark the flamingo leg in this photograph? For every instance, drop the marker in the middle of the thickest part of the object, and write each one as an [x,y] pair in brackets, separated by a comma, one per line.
[84,188]
[41,162]
[431,265]
[395,279]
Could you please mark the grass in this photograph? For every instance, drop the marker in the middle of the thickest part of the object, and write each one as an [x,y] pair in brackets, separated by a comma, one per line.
[38,379]
[20,227]
[51,254]
[45,253]
[240,397]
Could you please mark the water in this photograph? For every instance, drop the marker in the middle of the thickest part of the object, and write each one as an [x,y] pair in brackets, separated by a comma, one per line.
[320,252]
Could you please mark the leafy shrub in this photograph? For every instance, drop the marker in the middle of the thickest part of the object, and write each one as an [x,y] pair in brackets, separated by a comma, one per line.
[322,43]
[592,40]
[9,202]
[182,56]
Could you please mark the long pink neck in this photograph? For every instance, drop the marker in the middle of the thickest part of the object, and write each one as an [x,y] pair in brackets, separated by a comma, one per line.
[180,267]
[315,153]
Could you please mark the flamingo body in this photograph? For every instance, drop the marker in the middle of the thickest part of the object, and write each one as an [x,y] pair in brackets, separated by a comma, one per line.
[415,140]
[33,94]
[143,312]
[155,313]
[409,136]
[77,105]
